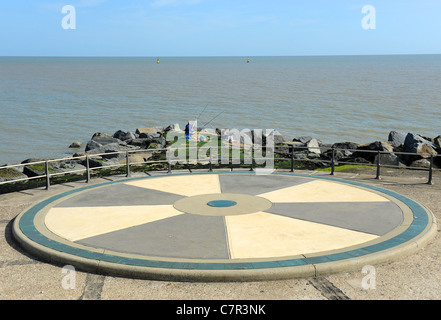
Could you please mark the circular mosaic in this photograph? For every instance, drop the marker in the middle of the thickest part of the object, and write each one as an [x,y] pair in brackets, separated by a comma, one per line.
[223,226]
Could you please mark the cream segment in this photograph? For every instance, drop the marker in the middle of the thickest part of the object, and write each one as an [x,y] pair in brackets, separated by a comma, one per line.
[322,191]
[184,185]
[264,235]
[79,223]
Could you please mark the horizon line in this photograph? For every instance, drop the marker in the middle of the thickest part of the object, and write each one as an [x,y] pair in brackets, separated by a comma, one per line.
[220,56]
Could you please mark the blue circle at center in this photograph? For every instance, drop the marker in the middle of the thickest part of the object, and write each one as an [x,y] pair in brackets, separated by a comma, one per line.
[221,203]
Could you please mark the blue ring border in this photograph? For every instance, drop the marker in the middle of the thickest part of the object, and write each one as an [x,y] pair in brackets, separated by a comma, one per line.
[418,225]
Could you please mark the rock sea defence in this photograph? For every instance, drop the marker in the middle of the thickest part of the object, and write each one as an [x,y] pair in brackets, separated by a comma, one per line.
[110,150]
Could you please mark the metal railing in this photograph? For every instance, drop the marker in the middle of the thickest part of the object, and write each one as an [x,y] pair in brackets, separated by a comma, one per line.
[214,160]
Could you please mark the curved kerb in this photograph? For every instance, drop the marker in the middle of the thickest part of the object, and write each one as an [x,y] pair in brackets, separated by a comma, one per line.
[417,229]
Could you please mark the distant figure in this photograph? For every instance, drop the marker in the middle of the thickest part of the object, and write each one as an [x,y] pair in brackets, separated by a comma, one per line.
[188,131]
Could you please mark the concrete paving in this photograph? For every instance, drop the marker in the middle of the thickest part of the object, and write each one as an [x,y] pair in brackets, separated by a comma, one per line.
[189,239]
[17,260]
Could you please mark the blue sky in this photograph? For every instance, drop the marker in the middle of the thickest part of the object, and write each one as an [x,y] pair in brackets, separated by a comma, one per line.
[218,28]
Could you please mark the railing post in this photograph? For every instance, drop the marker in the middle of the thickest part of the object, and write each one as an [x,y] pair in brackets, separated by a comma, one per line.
[431,171]
[333,162]
[292,158]
[127,164]
[87,169]
[168,160]
[252,158]
[378,165]
[48,180]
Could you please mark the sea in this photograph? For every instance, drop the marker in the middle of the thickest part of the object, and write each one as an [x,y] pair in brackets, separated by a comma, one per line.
[46,103]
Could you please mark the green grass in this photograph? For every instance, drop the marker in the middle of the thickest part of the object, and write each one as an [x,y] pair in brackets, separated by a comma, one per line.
[343,168]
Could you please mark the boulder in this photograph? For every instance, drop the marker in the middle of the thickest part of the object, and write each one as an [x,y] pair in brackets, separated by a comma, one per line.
[124,135]
[390,160]
[151,136]
[76,145]
[396,139]
[374,146]
[303,139]
[146,139]
[437,141]
[280,138]
[345,145]
[34,170]
[343,150]
[313,146]
[99,140]
[173,127]
[421,163]
[107,151]
[416,144]
[149,130]
[10,174]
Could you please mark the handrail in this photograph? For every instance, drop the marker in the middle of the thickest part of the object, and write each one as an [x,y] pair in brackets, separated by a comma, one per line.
[209,160]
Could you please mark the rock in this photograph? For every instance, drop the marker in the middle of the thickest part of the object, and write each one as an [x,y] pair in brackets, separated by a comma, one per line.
[437,141]
[313,146]
[145,143]
[94,163]
[173,127]
[345,145]
[390,160]
[149,130]
[374,146]
[76,145]
[100,135]
[417,144]
[98,141]
[281,138]
[151,136]
[209,131]
[303,139]
[34,170]
[10,174]
[421,163]
[396,139]
[124,135]
[107,151]
[343,149]
[92,144]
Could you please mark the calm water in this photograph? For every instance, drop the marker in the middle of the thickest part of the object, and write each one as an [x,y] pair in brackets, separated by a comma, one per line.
[47,103]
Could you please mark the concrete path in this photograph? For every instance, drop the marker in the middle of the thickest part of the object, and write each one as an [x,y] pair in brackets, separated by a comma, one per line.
[224,227]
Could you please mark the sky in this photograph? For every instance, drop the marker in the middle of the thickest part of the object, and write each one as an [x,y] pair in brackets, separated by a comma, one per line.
[160,28]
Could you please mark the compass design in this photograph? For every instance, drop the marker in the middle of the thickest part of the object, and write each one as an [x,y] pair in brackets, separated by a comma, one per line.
[224,221]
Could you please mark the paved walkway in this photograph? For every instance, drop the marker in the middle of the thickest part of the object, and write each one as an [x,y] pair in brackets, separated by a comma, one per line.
[224,226]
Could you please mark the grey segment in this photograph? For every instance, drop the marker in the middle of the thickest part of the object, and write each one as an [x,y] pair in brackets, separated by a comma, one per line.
[120,195]
[253,184]
[377,218]
[184,236]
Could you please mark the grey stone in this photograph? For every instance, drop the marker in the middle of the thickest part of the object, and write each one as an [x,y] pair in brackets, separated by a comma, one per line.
[124,135]
[173,127]
[313,146]
[396,139]
[417,144]
[390,160]
[303,139]
[76,145]
[421,163]
[10,174]
[374,146]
